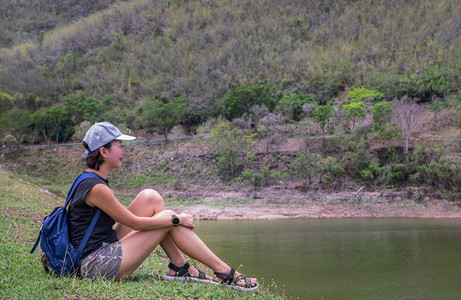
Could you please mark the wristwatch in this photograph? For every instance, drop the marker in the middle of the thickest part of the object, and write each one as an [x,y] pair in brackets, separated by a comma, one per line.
[175,220]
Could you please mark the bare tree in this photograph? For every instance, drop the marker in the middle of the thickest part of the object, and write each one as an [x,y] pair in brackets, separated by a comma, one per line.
[407,115]
[248,120]
[244,122]
[258,112]
[177,132]
[270,123]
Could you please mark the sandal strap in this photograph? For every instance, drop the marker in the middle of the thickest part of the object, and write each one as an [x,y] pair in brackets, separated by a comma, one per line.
[227,278]
[243,277]
[201,275]
[230,279]
[180,271]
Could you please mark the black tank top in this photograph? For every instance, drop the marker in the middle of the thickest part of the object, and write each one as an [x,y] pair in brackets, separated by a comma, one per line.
[80,215]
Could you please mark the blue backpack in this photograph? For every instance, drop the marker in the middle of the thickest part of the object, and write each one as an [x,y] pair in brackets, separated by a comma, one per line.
[54,236]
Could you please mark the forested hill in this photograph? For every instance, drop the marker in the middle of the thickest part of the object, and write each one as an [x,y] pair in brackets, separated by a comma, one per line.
[120,56]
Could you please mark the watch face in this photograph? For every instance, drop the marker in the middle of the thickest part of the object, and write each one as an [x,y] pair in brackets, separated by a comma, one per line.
[175,220]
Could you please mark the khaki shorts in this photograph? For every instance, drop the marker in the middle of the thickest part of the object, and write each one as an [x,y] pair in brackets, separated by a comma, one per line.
[102,263]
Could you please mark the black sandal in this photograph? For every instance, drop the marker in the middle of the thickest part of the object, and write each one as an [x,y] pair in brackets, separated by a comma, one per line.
[182,273]
[231,281]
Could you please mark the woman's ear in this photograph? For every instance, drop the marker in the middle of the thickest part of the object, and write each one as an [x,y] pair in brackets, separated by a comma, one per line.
[103,152]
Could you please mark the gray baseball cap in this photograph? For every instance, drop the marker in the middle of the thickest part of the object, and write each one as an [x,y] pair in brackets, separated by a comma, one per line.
[102,133]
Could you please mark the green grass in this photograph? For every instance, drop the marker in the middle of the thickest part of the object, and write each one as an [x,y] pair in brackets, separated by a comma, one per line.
[23,205]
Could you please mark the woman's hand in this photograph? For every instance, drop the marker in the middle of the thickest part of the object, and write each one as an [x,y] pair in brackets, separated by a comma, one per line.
[186,220]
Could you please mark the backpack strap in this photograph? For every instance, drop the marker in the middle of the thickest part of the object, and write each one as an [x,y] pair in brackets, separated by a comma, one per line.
[75,184]
[86,237]
[88,232]
[71,192]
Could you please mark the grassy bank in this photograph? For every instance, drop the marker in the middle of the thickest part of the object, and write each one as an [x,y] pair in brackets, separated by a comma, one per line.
[23,205]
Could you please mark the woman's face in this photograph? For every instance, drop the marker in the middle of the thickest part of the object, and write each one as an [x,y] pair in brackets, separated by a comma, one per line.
[114,155]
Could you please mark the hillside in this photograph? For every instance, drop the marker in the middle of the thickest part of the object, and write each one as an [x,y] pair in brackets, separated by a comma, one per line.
[294,97]
[128,52]
[26,21]
[187,173]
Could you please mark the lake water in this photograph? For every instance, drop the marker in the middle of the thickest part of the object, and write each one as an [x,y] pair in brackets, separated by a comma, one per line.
[344,258]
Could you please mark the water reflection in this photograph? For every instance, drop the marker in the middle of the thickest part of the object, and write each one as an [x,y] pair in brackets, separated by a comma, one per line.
[345,258]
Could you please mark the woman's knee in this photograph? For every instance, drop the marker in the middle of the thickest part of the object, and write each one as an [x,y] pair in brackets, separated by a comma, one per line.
[152,196]
[148,201]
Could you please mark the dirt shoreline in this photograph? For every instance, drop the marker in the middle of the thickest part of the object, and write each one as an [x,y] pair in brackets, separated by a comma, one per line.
[334,206]
[313,210]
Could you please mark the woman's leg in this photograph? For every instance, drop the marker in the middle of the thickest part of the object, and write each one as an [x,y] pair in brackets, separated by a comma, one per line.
[137,246]
[148,203]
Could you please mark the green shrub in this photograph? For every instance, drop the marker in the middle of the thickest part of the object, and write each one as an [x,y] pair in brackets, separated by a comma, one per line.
[443,173]
[397,174]
[250,175]
[231,148]
[334,144]
[305,166]
[360,163]
[392,155]
[10,141]
[331,169]
[291,104]
[366,175]
[266,172]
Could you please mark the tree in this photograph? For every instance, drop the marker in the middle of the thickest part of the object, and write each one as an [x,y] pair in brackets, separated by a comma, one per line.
[177,132]
[231,147]
[437,105]
[6,102]
[291,105]
[432,80]
[164,115]
[407,115]
[51,122]
[241,99]
[356,98]
[356,94]
[381,112]
[82,108]
[354,111]
[331,169]
[16,121]
[382,121]
[321,114]
[269,125]
[306,165]
[253,118]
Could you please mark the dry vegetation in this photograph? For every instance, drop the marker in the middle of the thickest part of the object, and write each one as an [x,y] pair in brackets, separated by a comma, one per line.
[148,66]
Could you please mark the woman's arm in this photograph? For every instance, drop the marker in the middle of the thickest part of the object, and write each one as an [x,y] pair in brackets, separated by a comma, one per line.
[102,197]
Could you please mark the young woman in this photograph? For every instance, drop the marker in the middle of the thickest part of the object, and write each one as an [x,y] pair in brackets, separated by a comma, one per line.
[144,224]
